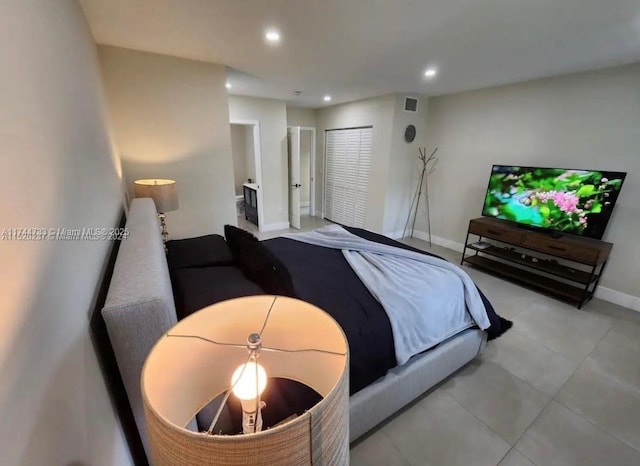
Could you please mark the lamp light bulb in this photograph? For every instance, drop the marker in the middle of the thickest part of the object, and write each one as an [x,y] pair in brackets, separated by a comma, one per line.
[244,383]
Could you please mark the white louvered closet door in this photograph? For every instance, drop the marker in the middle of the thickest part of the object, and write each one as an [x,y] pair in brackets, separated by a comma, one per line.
[346,179]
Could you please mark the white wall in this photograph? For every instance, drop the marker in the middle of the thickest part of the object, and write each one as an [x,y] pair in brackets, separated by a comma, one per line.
[171,121]
[58,169]
[299,116]
[272,115]
[586,120]
[239,154]
[379,113]
[404,167]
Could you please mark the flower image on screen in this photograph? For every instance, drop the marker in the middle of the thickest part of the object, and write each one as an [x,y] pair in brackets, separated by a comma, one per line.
[571,201]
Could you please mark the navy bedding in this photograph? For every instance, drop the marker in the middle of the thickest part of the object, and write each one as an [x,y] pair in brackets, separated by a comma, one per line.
[323,277]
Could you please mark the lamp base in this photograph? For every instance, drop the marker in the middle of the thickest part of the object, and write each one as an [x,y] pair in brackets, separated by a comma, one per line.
[163,230]
[252,420]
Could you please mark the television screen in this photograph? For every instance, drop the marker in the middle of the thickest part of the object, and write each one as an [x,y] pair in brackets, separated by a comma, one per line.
[571,201]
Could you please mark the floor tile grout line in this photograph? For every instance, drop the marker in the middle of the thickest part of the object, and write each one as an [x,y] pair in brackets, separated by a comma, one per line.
[571,360]
[505,455]
[600,428]
[512,449]
[395,447]
[519,379]
[474,415]
[551,399]
[604,374]
[532,462]
[618,345]
[580,364]
[530,425]
[528,383]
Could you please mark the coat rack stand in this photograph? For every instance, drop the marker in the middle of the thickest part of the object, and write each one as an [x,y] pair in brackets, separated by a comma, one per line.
[422,191]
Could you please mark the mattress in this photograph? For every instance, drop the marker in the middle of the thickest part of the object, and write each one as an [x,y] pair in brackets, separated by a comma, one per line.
[323,277]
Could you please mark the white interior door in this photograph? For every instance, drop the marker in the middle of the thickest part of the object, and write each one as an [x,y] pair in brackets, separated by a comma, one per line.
[293,134]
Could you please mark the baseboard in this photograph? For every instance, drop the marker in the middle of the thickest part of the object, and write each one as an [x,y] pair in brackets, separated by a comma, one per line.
[304,210]
[437,240]
[618,297]
[606,294]
[445,243]
[275,226]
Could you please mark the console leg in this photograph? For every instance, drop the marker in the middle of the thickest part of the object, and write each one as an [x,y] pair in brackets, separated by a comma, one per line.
[464,250]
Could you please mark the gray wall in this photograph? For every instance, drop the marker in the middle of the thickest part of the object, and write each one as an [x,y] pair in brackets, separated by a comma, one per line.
[404,168]
[272,115]
[58,170]
[299,116]
[586,120]
[239,154]
[377,112]
[171,120]
[394,166]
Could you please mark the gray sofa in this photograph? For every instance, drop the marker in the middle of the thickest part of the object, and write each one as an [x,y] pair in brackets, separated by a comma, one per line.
[140,308]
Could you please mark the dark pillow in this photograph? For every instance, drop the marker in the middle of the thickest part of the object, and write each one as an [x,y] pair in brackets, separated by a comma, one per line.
[197,288]
[203,251]
[262,267]
[234,234]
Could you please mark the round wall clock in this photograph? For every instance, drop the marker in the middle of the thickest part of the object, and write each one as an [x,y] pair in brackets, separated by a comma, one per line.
[410,133]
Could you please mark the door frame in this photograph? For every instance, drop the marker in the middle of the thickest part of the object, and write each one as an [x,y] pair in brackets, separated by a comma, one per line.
[312,168]
[257,160]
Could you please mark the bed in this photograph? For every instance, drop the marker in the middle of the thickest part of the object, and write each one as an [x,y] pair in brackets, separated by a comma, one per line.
[140,307]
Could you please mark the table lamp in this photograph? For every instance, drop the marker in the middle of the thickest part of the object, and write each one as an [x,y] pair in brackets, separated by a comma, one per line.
[233,348]
[163,193]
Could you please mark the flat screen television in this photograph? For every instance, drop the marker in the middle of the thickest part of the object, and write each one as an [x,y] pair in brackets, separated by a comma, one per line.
[560,200]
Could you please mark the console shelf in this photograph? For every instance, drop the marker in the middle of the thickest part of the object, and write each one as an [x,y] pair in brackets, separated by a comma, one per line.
[535,262]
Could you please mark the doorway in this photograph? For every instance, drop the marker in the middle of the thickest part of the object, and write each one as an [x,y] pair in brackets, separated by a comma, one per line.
[301,142]
[247,170]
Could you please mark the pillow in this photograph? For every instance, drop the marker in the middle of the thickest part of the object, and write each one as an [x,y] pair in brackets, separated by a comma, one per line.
[235,234]
[262,267]
[203,251]
[197,288]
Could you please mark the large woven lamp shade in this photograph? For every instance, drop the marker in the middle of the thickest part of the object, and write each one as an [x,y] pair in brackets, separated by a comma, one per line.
[163,193]
[191,365]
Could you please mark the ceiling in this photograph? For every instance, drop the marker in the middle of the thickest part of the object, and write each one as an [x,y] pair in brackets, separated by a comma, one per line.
[354,49]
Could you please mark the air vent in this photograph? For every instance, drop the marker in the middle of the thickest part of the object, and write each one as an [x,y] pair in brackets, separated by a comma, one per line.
[411,104]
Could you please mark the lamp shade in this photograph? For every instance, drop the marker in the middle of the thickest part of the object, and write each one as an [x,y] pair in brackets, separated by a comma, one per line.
[163,193]
[193,362]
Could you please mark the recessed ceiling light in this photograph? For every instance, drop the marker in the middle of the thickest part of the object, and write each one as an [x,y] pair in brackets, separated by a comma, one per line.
[228,85]
[327,98]
[272,36]
[430,72]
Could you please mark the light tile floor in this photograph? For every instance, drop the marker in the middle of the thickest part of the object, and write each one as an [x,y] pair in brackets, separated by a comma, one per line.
[561,388]
[306,223]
